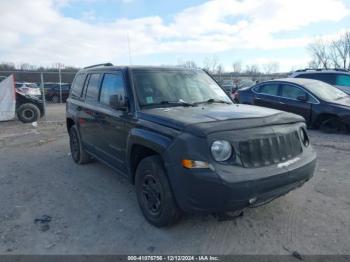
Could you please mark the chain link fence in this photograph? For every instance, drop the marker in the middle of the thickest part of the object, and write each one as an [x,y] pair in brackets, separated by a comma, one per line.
[54,88]
[55,85]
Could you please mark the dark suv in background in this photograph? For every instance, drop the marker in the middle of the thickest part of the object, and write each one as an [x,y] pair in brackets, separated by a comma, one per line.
[53,92]
[337,77]
[177,136]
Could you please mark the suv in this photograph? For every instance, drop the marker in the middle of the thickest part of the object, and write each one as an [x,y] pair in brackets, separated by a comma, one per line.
[178,137]
[337,77]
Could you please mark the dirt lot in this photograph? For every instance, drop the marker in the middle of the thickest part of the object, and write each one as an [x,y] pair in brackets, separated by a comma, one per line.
[93,211]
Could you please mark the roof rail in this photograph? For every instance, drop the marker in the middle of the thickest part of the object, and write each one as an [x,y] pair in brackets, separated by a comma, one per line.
[341,70]
[322,69]
[97,65]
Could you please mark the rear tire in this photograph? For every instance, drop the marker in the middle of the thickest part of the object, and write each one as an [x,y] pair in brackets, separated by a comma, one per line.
[79,155]
[154,194]
[28,113]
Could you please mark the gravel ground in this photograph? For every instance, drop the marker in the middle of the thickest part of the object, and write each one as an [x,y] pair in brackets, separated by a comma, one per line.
[49,205]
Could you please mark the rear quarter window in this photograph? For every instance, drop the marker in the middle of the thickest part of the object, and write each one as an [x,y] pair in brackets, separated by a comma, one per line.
[343,80]
[77,85]
[93,88]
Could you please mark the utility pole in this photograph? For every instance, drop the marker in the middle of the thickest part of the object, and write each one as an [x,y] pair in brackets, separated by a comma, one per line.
[60,80]
[43,92]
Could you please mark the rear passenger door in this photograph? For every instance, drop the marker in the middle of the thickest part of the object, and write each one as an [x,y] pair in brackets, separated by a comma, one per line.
[292,100]
[89,130]
[111,117]
[267,95]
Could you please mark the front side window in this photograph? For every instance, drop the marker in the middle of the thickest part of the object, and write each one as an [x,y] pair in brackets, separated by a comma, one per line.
[154,87]
[268,89]
[343,80]
[292,92]
[93,87]
[112,90]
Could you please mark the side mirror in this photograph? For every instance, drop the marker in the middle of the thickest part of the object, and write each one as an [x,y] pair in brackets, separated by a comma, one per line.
[118,102]
[303,98]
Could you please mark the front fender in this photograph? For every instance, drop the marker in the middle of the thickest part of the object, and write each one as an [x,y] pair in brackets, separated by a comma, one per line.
[150,139]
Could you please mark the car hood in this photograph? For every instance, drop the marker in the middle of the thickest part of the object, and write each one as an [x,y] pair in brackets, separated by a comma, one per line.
[207,119]
[343,102]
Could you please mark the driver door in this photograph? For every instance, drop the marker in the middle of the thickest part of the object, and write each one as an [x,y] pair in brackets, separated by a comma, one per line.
[296,100]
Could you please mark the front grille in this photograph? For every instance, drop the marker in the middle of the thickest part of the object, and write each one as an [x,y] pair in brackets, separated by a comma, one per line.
[270,150]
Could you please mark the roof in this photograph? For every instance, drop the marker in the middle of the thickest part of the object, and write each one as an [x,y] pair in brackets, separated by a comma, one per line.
[321,71]
[109,66]
[298,81]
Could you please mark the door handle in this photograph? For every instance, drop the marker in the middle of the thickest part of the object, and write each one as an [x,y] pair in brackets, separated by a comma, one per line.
[282,103]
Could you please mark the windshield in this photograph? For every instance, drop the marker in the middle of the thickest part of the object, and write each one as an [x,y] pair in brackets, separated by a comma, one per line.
[176,87]
[325,91]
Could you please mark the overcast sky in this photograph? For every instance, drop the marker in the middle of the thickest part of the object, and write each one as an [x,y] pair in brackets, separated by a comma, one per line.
[84,32]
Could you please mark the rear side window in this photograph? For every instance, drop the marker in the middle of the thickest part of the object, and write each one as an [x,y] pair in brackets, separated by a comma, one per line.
[77,85]
[328,78]
[112,89]
[343,80]
[93,87]
[268,89]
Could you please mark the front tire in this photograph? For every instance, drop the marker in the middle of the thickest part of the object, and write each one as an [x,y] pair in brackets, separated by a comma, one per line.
[154,194]
[79,155]
[333,125]
[28,113]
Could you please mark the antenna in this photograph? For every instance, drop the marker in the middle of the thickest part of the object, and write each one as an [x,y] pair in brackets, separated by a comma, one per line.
[129,49]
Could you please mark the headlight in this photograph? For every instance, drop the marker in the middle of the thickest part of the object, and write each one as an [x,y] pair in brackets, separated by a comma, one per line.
[304,138]
[221,150]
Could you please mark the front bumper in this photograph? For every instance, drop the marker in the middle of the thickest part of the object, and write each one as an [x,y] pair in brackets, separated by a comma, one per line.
[203,191]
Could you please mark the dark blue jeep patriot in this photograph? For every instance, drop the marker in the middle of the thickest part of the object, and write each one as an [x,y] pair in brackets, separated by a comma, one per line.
[177,136]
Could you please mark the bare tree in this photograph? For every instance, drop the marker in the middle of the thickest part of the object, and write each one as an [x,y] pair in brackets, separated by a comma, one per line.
[237,67]
[7,66]
[319,50]
[189,64]
[313,64]
[270,68]
[210,64]
[252,69]
[26,66]
[331,54]
[220,69]
[340,51]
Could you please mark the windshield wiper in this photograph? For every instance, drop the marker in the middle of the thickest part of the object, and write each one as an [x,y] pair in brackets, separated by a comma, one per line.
[212,100]
[176,103]
[340,97]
